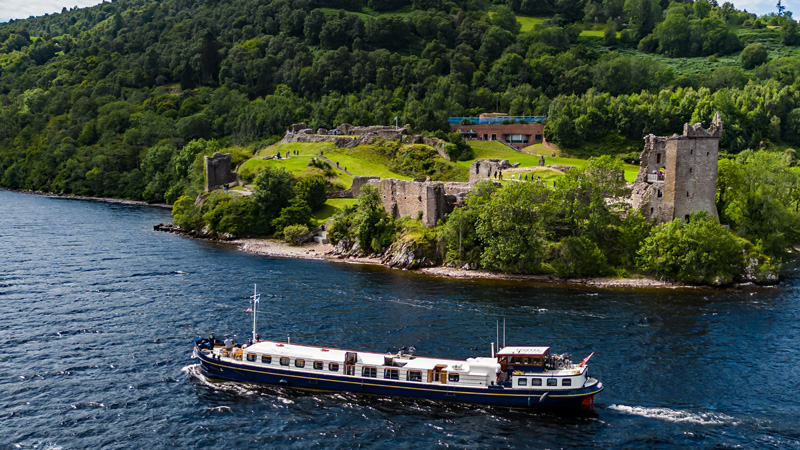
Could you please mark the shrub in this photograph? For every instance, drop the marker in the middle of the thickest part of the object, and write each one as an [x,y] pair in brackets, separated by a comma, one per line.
[698,251]
[578,256]
[296,234]
[753,55]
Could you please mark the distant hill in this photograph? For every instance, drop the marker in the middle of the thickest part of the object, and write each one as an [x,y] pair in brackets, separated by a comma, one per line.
[107,100]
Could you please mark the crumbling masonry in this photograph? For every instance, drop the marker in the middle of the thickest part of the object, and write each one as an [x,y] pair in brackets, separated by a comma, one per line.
[218,171]
[678,174]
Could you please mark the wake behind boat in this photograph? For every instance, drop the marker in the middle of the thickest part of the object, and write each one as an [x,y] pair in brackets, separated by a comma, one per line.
[515,377]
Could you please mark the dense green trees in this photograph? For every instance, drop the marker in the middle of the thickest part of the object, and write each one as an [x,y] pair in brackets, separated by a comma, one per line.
[365,224]
[699,251]
[87,93]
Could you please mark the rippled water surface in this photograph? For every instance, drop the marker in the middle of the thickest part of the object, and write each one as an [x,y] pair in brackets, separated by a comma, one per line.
[98,313]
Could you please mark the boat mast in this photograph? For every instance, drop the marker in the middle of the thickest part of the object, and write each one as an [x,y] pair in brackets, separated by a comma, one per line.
[255,298]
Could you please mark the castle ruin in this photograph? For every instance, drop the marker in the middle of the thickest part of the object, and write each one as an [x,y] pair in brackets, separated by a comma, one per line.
[218,171]
[678,174]
[430,200]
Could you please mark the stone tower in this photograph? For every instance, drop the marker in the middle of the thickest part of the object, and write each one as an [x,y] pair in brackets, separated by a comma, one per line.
[678,174]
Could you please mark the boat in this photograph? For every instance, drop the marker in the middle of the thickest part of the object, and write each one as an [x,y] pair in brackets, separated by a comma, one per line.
[524,377]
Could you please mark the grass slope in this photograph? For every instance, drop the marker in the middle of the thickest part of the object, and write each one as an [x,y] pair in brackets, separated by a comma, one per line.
[331,207]
[496,150]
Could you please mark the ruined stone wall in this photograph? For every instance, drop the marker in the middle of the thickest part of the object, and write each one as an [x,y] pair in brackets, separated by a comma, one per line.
[358,182]
[402,198]
[486,168]
[218,171]
[678,174]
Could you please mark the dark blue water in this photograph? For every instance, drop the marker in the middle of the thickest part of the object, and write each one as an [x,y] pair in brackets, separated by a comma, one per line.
[98,313]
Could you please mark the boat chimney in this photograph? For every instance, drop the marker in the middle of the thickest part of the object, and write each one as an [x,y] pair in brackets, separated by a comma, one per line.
[492,349]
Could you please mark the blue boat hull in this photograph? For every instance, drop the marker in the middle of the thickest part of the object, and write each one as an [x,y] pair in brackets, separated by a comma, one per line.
[493,396]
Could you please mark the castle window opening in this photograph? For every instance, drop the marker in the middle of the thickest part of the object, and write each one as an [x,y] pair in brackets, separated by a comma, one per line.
[658,158]
[707,153]
[690,170]
[687,193]
[686,217]
[659,194]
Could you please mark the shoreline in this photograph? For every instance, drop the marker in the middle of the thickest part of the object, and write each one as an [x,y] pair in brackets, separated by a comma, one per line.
[280,249]
[120,201]
[315,251]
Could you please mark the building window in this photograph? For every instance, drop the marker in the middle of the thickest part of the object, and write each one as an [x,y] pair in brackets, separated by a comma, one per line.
[552,382]
[266,359]
[251,357]
[536,381]
[453,377]
[566,382]
[333,367]
[390,374]
[522,381]
[414,375]
[318,365]
[370,372]
[284,361]
[300,363]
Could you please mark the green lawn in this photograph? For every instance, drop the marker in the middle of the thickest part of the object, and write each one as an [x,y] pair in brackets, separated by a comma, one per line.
[331,207]
[496,150]
[527,23]
[362,161]
[294,164]
[367,13]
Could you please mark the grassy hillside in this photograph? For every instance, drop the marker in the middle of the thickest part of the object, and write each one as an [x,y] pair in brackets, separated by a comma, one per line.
[496,150]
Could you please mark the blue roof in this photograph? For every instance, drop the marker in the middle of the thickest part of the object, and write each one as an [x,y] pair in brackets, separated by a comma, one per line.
[495,119]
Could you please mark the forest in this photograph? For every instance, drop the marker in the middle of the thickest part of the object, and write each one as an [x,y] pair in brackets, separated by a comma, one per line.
[123,99]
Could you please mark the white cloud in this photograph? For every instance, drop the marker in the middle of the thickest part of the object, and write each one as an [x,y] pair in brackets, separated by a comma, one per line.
[22,9]
[762,7]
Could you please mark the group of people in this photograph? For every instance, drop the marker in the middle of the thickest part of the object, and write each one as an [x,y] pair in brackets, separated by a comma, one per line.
[293,152]
[499,176]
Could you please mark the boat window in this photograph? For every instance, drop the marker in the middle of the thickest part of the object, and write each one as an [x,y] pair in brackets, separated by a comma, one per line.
[299,362]
[251,357]
[318,365]
[414,375]
[552,382]
[333,367]
[452,377]
[370,372]
[566,382]
[526,360]
[390,374]
[537,360]
[522,381]
[536,381]
[266,359]
[284,361]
